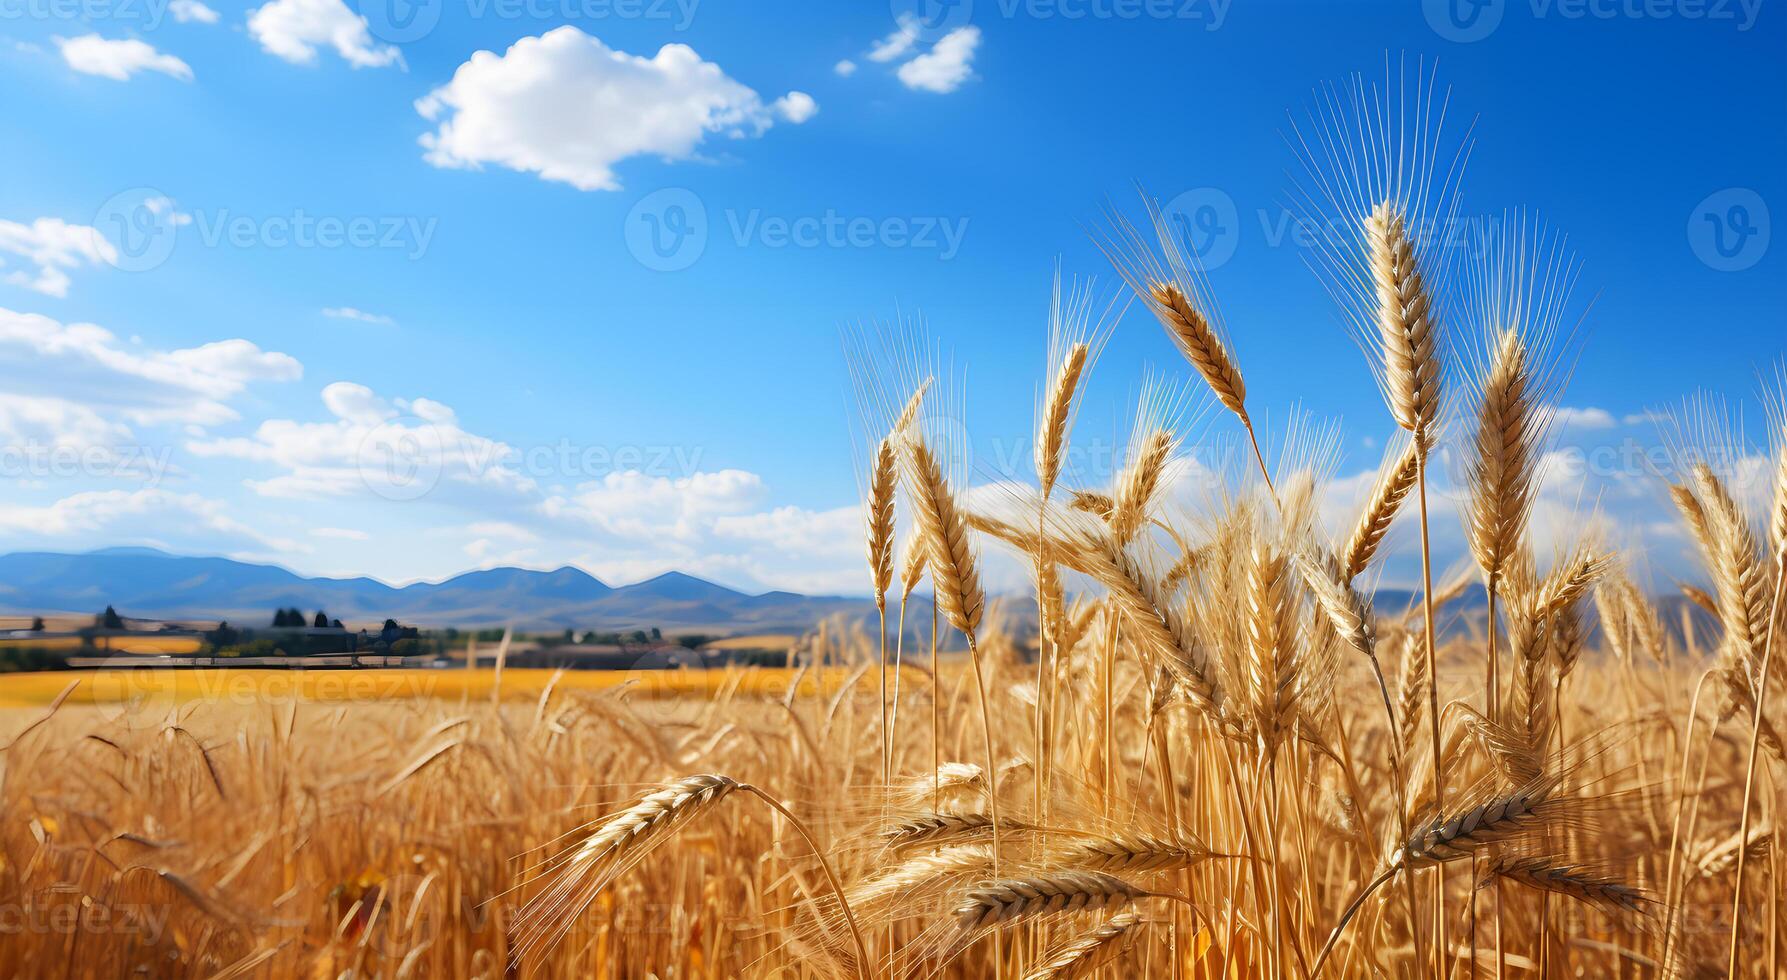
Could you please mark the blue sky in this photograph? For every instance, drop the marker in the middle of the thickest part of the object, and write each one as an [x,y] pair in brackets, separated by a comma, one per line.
[244,248]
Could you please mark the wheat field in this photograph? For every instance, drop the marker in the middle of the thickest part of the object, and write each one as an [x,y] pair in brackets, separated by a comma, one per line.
[1196,748]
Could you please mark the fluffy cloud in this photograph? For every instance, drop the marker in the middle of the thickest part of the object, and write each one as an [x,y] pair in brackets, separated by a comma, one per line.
[295,29]
[946,66]
[53,246]
[796,107]
[1583,418]
[349,313]
[895,45]
[155,518]
[94,55]
[845,68]
[398,449]
[85,364]
[192,12]
[568,107]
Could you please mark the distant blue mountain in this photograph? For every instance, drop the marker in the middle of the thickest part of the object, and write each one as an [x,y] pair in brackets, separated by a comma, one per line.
[154,584]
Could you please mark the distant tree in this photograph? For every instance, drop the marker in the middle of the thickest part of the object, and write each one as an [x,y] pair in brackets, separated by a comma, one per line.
[656,636]
[692,641]
[639,636]
[224,635]
[37,624]
[336,624]
[110,619]
[390,626]
[570,635]
[589,636]
[322,620]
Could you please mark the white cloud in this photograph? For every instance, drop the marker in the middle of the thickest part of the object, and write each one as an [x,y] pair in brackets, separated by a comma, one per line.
[339,533]
[94,55]
[796,107]
[53,246]
[946,66]
[568,107]
[295,29]
[87,364]
[895,45]
[156,518]
[349,313]
[845,68]
[374,447]
[1583,418]
[192,12]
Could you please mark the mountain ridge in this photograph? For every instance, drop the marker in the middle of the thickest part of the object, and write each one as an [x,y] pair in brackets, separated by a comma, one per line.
[145,582]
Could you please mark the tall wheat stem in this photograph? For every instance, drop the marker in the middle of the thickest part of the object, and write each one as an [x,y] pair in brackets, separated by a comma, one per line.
[1743,822]
[1433,706]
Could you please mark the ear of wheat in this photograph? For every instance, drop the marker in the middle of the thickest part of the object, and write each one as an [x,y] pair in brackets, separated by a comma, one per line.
[1085,954]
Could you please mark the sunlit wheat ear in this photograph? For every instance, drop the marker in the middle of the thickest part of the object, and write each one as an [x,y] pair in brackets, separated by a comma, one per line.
[1347,610]
[615,847]
[1011,900]
[1271,637]
[1588,887]
[1715,857]
[1407,338]
[880,519]
[1085,954]
[909,414]
[1191,332]
[1394,482]
[958,787]
[921,878]
[1057,413]
[955,573]
[1131,854]
[1139,482]
[1740,580]
[1503,459]
[912,565]
[943,829]
[1461,833]
[1411,694]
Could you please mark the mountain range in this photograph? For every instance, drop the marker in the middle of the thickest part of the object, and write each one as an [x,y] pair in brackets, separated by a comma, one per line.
[143,582]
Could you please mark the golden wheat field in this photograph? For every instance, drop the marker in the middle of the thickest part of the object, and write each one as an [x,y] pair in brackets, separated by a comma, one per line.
[1195,749]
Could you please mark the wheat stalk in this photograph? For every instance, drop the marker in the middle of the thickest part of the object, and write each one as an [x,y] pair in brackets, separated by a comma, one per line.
[1011,900]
